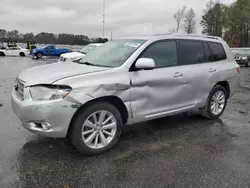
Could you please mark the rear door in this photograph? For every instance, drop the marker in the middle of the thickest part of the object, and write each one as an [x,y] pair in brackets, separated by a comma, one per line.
[192,65]
[16,51]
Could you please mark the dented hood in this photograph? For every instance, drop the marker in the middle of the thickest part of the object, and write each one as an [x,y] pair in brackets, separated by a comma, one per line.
[47,74]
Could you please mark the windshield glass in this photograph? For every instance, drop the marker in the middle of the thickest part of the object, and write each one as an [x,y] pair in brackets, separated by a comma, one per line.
[113,53]
[88,48]
[244,52]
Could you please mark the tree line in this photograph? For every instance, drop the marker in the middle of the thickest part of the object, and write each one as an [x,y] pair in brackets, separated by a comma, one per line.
[48,38]
[229,21]
[232,22]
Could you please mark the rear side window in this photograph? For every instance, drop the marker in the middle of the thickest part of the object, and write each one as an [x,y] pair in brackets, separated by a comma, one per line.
[191,52]
[217,50]
[208,55]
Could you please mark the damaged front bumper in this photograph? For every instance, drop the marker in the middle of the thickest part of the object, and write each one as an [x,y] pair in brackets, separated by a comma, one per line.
[46,118]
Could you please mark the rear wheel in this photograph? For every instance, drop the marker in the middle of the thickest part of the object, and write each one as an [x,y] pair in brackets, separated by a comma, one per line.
[96,128]
[2,54]
[22,54]
[39,55]
[216,103]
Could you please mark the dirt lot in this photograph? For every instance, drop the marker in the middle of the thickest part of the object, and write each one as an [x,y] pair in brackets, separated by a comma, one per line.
[180,151]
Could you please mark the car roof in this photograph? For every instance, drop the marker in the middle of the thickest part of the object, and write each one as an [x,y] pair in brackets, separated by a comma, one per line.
[176,36]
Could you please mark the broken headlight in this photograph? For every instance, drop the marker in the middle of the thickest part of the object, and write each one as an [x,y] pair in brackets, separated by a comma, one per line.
[49,92]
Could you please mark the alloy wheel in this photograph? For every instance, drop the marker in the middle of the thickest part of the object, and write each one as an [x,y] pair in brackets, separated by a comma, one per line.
[99,129]
[218,102]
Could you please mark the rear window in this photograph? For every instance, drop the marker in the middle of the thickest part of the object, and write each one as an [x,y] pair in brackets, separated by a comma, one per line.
[217,50]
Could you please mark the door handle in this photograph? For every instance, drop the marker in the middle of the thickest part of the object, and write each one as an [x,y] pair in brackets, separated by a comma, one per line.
[178,74]
[212,70]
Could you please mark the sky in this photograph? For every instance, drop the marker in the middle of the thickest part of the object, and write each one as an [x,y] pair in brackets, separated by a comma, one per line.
[123,17]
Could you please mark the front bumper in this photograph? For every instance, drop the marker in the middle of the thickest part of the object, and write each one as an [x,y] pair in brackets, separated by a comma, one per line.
[31,114]
[242,62]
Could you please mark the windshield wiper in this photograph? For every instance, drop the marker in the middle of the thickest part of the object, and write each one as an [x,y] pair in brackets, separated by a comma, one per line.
[88,63]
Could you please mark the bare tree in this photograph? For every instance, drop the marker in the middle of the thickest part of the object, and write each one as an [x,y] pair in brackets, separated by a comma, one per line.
[189,21]
[171,31]
[179,16]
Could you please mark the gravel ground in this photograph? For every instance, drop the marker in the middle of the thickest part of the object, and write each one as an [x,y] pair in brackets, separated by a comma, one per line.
[180,151]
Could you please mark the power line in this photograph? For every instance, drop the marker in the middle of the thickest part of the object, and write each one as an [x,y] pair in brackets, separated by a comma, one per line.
[103,24]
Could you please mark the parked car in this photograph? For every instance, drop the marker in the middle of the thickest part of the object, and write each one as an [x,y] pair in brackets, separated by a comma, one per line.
[74,56]
[49,50]
[124,82]
[243,57]
[14,51]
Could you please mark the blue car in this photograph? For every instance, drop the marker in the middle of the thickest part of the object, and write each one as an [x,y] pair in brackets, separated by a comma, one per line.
[49,50]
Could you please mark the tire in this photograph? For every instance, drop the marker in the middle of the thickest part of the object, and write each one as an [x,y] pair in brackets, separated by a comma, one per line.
[39,55]
[207,110]
[247,64]
[79,126]
[22,54]
[2,54]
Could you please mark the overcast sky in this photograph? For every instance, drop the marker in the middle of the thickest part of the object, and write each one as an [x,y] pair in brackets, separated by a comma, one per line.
[123,17]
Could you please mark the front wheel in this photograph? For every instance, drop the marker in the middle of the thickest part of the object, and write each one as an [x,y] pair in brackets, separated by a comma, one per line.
[39,55]
[96,128]
[216,103]
[22,54]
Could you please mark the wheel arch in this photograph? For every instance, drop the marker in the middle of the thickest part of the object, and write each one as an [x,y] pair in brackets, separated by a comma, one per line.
[1,52]
[226,85]
[113,100]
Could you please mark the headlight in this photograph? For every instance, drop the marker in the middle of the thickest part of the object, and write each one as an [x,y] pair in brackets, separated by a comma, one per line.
[244,58]
[49,92]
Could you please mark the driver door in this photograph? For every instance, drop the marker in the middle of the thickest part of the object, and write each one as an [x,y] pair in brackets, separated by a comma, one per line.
[9,52]
[161,91]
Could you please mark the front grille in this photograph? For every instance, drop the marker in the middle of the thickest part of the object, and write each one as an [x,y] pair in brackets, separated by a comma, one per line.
[19,88]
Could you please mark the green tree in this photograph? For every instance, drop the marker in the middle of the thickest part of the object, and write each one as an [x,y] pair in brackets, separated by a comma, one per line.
[212,20]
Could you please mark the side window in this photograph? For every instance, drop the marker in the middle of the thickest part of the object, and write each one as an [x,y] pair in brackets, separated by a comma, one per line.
[218,52]
[208,55]
[163,53]
[191,52]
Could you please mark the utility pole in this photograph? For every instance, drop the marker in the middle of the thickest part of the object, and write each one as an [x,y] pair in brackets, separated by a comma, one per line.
[111,36]
[103,26]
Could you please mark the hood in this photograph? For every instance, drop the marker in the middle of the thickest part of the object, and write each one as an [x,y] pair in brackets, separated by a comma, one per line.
[73,55]
[47,74]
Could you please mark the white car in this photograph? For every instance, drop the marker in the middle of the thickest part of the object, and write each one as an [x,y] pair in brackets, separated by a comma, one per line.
[74,56]
[14,51]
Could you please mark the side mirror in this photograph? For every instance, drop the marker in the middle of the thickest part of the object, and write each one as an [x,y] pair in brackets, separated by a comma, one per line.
[145,63]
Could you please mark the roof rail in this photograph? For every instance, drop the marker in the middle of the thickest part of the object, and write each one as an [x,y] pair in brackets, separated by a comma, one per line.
[200,36]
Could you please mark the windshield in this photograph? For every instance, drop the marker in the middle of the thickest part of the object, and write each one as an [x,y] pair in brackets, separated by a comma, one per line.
[113,53]
[88,48]
[244,52]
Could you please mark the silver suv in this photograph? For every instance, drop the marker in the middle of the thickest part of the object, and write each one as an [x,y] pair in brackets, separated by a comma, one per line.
[124,82]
